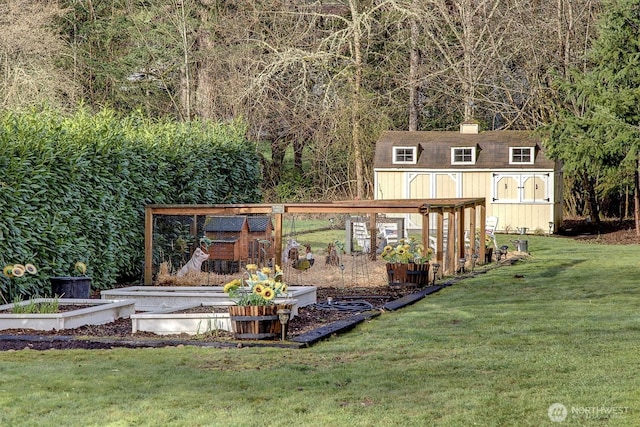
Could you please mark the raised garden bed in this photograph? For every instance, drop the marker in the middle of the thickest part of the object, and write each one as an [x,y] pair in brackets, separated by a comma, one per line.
[73,313]
[153,298]
[193,319]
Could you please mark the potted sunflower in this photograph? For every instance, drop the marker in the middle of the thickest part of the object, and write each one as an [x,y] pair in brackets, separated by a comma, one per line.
[255,313]
[408,262]
[76,285]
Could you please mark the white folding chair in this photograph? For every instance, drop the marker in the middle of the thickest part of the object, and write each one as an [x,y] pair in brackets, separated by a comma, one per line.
[361,236]
[491,225]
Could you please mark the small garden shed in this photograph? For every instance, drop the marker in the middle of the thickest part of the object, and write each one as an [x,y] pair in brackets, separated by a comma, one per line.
[239,239]
[521,185]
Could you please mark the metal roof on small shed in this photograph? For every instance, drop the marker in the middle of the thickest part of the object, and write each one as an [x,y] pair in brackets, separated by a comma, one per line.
[229,224]
[224,224]
[434,149]
[258,223]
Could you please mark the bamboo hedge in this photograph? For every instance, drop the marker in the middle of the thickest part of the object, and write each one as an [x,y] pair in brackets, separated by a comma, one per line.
[74,188]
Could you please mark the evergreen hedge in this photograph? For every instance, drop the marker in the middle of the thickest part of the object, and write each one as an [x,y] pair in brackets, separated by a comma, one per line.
[74,188]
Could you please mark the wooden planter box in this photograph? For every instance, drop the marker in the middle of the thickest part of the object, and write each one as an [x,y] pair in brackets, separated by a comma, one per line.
[256,322]
[417,274]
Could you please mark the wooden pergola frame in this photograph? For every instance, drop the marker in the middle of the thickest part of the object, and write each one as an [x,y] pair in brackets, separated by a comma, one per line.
[456,211]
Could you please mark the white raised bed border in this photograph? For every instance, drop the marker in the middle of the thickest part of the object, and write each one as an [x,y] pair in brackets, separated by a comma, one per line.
[100,312]
[168,322]
[154,298]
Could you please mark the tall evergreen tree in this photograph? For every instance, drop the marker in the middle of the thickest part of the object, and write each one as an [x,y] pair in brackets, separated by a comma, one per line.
[600,139]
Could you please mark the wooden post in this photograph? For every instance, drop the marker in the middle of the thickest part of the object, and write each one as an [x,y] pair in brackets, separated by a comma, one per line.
[373,231]
[277,253]
[451,242]
[425,232]
[440,242]
[483,233]
[472,231]
[148,246]
[460,233]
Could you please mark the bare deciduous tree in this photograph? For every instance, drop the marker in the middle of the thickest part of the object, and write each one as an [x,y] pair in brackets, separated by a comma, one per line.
[30,51]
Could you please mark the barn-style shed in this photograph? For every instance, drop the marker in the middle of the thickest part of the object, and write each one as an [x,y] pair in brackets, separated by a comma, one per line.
[522,186]
[239,239]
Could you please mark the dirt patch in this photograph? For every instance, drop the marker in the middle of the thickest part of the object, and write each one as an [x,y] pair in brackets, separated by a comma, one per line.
[608,232]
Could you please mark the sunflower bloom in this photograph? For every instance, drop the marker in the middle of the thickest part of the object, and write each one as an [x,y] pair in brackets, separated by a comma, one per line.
[266,270]
[18,270]
[231,285]
[8,270]
[252,268]
[257,289]
[268,293]
[31,269]
[81,267]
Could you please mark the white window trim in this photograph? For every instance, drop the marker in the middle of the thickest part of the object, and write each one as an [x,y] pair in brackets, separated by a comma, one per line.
[473,155]
[531,151]
[402,162]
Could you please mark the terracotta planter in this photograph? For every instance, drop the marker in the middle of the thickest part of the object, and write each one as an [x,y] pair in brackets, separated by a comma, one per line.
[417,274]
[256,322]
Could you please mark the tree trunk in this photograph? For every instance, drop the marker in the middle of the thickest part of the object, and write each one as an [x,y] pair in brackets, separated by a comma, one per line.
[414,61]
[278,149]
[298,147]
[355,112]
[593,203]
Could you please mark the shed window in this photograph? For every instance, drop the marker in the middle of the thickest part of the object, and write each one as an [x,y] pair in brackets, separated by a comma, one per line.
[404,155]
[463,155]
[521,155]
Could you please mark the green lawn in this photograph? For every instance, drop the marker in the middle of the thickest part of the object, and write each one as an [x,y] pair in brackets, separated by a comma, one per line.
[497,350]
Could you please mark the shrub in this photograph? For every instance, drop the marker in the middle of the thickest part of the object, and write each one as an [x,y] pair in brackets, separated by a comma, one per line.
[74,188]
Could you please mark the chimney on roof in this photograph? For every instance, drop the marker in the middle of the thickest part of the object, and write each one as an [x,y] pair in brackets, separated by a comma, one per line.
[468,127]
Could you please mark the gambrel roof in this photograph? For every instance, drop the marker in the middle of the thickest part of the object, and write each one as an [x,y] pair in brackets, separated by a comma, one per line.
[434,149]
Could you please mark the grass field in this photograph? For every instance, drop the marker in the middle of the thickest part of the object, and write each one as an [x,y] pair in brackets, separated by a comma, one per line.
[559,328]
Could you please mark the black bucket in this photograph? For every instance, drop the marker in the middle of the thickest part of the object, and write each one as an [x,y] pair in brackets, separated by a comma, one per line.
[71,287]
